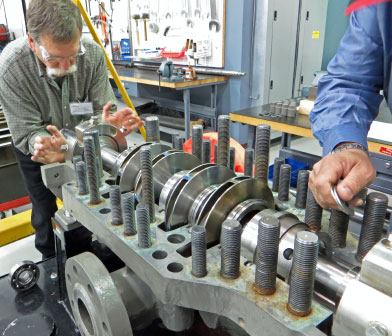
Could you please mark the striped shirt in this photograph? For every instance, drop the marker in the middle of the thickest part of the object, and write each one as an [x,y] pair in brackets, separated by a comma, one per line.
[31,100]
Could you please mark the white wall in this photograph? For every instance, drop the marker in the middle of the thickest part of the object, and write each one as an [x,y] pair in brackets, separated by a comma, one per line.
[13,11]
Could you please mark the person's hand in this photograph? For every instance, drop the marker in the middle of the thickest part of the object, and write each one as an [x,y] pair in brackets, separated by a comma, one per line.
[355,169]
[47,149]
[125,119]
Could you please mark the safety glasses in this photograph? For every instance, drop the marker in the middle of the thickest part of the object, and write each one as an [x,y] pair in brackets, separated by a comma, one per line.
[49,58]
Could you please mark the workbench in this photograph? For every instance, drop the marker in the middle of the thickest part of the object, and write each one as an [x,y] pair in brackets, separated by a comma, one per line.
[148,77]
[380,151]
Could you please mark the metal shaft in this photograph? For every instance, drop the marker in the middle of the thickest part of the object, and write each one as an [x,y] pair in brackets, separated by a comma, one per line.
[313,212]
[152,129]
[147,180]
[216,153]
[95,135]
[143,225]
[338,226]
[230,249]
[89,157]
[262,146]
[129,214]
[206,151]
[248,165]
[199,251]
[303,273]
[81,177]
[284,182]
[372,224]
[267,255]
[232,158]
[197,141]
[179,143]
[275,180]
[302,189]
[223,140]
[115,203]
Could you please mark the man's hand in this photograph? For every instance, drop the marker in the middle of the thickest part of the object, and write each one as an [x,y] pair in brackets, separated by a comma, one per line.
[47,149]
[351,165]
[125,118]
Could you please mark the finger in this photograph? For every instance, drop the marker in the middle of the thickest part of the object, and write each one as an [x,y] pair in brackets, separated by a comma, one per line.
[360,176]
[356,202]
[135,126]
[106,111]
[54,131]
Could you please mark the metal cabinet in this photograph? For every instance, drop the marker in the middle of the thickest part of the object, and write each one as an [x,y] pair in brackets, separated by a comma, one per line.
[289,40]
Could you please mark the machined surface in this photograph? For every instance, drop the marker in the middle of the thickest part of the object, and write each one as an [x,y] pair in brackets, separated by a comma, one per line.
[131,166]
[96,304]
[166,165]
[171,280]
[246,208]
[237,193]
[207,175]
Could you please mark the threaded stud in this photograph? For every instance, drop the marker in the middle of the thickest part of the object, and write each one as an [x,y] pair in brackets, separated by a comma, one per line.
[206,151]
[216,153]
[95,135]
[284,182]
[248,165]
[75,160]
[372,224]
[129,214]
[199,251]
[338,226]
[275,179]
[262,147]
[223,140]
[230,249]
[302,189]
[143,225]
[115,203]
[152,129]
[89,157]
[81,177]
[313,212]
[232,159]
[267,255]
[197,141]
[303,273]
[147,180]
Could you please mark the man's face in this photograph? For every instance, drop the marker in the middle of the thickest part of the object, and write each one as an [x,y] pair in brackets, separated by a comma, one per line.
[59,58]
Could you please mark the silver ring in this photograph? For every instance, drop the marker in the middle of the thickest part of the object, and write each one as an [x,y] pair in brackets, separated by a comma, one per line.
[343,206]
[123,129]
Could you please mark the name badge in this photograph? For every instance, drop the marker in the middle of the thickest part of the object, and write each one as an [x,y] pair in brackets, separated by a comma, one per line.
[81,109]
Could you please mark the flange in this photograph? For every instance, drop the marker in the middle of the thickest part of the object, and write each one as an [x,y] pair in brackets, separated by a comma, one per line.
[96,304]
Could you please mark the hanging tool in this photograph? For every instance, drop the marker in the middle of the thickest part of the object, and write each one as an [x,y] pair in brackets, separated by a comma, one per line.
[184,12]
[145,16]
[136,17]
[102,17]
[214,17]
[197,11]
[189,21]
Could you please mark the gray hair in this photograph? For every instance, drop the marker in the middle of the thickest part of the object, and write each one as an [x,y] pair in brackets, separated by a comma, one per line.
[60,19]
